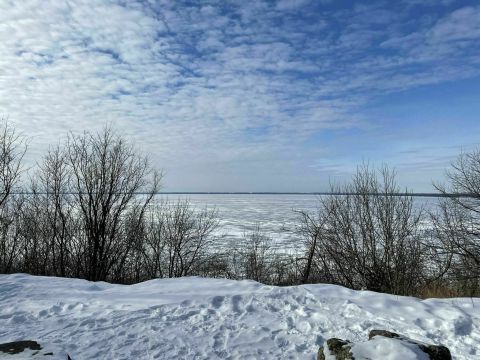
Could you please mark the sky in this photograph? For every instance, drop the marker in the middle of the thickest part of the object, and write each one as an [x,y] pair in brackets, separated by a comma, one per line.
[239,95]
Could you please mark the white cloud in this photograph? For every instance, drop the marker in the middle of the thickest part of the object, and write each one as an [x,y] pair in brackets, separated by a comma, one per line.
[217,82]
[462,24]
[291,4]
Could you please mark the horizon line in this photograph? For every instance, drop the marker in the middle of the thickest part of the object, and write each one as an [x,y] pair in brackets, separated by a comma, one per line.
[321,193]
[419,194]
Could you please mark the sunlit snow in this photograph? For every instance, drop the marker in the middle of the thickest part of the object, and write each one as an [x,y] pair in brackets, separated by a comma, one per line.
[197,318]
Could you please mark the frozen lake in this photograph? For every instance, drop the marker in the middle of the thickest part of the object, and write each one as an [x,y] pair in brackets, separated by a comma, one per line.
[274,213]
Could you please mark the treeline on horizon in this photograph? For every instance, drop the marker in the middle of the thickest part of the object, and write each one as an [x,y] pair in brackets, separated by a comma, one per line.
[78,214]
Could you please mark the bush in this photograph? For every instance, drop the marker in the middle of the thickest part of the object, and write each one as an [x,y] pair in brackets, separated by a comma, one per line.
[457,223]
[368,239]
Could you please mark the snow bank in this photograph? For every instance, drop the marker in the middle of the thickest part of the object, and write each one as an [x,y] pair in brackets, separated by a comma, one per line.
[388,349]
[197,318]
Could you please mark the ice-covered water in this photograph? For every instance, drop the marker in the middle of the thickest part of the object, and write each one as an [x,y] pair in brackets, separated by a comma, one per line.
[275,214]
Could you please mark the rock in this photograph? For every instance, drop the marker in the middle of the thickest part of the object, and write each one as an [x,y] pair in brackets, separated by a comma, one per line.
[344,350]
[34,350]
[338,348]
[435,352]
[384,333]
[17,347]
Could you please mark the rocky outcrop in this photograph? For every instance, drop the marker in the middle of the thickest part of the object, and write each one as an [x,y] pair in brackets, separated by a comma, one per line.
[17,347]
[384,333]
[345,350]
[337,347]
[436,352]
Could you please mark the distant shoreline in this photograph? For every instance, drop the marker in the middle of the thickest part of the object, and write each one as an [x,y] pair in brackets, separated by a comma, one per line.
[306,193]
[434,195]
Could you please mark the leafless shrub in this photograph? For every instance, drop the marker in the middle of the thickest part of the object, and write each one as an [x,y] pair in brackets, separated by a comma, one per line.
[11,241]
[314,266]
[106,175]
[285,269]
[368,239]
[12,150]
[457,222]
[88,212]
[179,239]
[255,253]
[84,210]
[47,221]
[255,257]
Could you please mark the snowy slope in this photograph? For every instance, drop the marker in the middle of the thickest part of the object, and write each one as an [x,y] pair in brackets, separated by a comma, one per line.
[196,318]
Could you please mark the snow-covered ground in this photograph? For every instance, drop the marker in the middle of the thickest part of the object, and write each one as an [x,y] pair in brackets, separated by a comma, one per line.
[197,318]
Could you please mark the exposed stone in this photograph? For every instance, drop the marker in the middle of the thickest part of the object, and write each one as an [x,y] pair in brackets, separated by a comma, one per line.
[17,347]
[384,333]
[342,349]
[337,347]
[435,352]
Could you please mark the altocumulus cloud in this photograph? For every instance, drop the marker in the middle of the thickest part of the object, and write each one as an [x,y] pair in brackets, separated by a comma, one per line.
[225,87]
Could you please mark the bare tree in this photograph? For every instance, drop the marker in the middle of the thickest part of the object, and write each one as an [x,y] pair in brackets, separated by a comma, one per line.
[90,214]
[368,238]
[11,240]
[256,254]
[106,177]
[311,230]
[59,209]
[47,218]
[133,265]
[154,249]
[189,238]
[457,221]
[12,150]
[180,239]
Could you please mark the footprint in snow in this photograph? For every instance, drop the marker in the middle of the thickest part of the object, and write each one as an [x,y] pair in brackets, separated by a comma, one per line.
[217,301]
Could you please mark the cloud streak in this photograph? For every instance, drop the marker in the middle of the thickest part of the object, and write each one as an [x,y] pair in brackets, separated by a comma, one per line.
[220,85]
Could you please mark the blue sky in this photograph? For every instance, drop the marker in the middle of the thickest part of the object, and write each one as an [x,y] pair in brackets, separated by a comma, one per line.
[244,95]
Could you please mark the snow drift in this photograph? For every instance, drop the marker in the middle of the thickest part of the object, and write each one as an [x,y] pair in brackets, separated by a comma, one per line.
[197,318]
